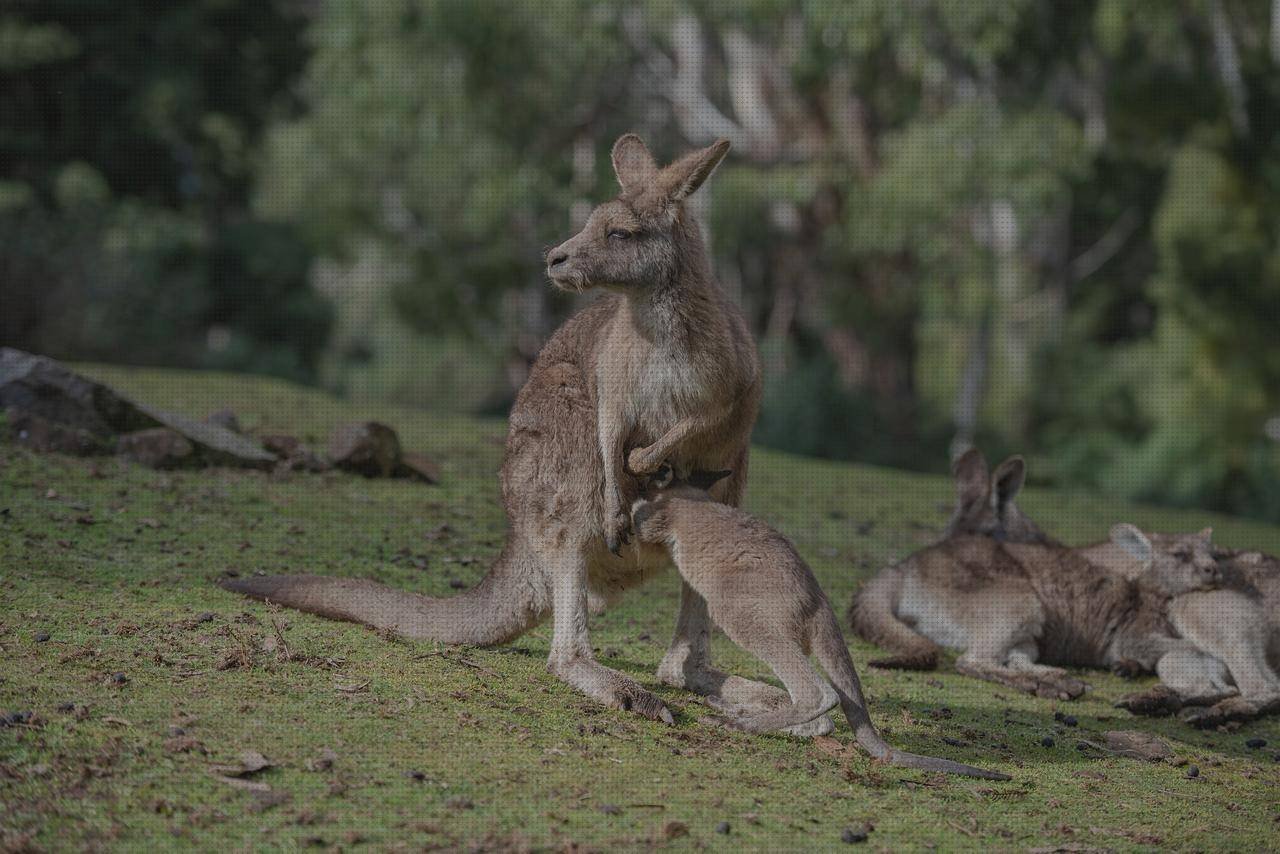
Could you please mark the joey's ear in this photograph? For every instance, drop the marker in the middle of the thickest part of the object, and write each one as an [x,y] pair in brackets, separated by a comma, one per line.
[1205,536]
[707,479]
[1007,480]
[632,162]
[970,473]
[1133,541]
[681,179]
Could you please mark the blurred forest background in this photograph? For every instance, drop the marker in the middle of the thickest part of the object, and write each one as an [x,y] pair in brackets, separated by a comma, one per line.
[1047,227]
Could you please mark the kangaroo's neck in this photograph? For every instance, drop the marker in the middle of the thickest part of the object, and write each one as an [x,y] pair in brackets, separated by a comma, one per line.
[682,308]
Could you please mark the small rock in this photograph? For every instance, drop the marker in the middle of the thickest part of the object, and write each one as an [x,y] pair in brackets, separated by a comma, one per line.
[610,809]
[418,467]
[366,448]
[723,828]
[851,836]
[1047,741]
[457,584]
[66,707]
[224,418]
[157,448]
[458,802]
[1255,743]
[674,830]
[1138,745]
[41,637]
[119,678]
[1193,772]
[205,617]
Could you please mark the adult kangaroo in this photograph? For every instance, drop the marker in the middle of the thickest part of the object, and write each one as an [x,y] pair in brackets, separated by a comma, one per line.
[1230,670]
[661,367]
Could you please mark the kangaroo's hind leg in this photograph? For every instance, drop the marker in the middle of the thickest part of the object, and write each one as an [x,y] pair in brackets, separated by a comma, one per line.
[811,695]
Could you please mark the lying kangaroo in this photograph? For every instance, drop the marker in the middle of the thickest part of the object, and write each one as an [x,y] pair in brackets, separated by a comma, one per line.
[661,367]
[1235,629]
[765,598]
[1231,671]
[1015,609]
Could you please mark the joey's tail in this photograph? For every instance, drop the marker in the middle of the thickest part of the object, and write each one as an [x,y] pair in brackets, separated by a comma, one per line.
[506,603]
[833,654]
[872,617]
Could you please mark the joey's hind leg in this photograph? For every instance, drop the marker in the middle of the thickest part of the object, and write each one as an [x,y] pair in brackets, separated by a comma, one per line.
[687,665]
[811,695]
[1019,670]
[571,657]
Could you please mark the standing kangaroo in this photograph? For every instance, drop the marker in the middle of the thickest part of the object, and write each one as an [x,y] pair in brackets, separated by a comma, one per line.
[1234,629]
[660,367]
[1015,609]
[765,598]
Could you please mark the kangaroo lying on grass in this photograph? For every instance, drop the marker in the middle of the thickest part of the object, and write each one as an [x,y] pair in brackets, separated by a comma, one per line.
[660,368]
[1015,609]
[1231,671]
[765,598]
[1234,630]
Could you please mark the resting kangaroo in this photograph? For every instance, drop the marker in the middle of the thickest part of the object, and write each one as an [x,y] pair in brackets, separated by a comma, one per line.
[765,598]
[660,367]
[1015,609]
[1235,629]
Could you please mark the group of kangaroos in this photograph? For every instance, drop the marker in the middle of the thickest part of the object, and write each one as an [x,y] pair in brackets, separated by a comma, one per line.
[627,450]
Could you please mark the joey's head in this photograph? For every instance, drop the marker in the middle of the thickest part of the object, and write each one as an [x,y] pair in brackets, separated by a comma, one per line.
[984,502]
[1173,564]
[649,515]
[641,238]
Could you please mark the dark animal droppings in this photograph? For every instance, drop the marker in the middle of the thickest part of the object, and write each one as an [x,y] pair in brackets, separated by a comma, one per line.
[1047,741]
[850,836]
[723,828]
[1255,743]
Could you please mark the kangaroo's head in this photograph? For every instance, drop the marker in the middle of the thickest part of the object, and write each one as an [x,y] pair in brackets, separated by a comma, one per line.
[642,238]
[1173,563]
[984,501]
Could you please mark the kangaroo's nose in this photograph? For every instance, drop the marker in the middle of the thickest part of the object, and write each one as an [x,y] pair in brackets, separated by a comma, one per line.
[557,257]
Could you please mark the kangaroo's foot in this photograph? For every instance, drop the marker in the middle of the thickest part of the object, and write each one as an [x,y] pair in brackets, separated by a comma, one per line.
[611,688]
[1156,702]
[1048,682]
[730,712]
[927,661]
[1230,709]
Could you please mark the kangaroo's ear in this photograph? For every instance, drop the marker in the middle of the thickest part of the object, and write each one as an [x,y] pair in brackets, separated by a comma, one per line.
[1133,541]
[972,482]
[632,162]
[1007,480]
[1205,536]
[707,479]
[681,179]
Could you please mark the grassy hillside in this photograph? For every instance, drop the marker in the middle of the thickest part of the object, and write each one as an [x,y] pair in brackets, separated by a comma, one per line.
[409,745]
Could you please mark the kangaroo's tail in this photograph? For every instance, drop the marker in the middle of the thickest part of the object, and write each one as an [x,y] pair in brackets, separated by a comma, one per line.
[505,604]
[873,617]
[833,654]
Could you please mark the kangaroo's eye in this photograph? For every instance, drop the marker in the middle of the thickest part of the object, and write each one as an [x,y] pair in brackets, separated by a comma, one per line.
[618,234]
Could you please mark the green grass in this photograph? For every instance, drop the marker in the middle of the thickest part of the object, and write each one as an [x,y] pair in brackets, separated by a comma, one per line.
[118,564]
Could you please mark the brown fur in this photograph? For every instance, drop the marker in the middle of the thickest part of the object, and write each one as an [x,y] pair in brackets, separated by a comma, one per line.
[661,367]
[1015,608]
[766,599]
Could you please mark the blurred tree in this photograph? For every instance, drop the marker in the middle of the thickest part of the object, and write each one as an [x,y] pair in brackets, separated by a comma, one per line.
[128,156]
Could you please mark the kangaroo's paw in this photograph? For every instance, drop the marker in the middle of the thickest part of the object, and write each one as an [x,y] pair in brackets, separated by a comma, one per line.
[617,529]
[612,689]
[818,726]
[1157,702]
[1230,709]
[1128,668]
[1062,687]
